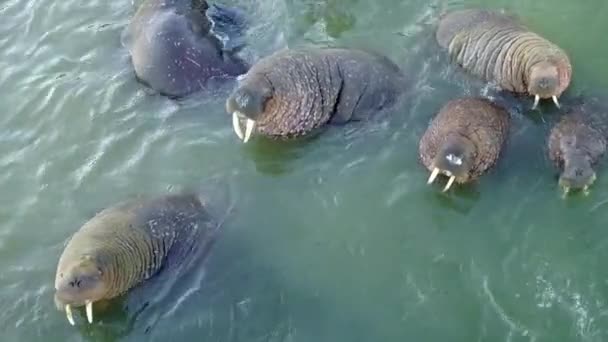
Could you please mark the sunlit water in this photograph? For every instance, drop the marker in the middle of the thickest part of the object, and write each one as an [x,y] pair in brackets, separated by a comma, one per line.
[333,239]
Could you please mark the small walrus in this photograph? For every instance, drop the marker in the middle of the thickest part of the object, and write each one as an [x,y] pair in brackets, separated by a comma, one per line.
[126,244]
[575,145]
[498,48]
[295,91]
[174,47]
[464,140]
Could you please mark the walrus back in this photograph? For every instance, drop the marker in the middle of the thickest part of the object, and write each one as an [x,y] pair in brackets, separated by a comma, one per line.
[174,52]
[456,22]
[315,86]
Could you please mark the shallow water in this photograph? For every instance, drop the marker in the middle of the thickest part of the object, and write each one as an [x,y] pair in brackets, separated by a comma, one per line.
[333,239]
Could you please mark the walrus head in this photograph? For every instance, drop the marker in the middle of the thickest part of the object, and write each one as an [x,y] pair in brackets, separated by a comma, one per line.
[577,172]
[248,103]
[79,282]
[454,159]
[544,82]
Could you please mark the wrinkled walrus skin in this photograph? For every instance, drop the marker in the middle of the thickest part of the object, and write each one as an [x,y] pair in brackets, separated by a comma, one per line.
[126,244]
[499,49]
[575,144]
[296,91]
[464,140]
[173,50]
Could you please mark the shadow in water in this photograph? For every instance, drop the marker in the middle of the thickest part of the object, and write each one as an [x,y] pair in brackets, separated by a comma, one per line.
[460,199]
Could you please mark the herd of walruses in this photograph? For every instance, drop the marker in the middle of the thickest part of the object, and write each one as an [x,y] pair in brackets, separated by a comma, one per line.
[176,49]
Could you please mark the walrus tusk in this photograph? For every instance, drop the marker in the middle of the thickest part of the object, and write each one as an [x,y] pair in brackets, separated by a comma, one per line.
[586,191]
[566,191]
[449,185]
[536,99]
[89,306]
[68,313]
[248,130]
[433,176]
[555,101]
[237,125]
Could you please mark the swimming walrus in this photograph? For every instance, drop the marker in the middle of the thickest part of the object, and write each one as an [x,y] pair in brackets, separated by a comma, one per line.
[498,48]
[175,48]
[295,91]
[575,145]
[124,245]
[464,140]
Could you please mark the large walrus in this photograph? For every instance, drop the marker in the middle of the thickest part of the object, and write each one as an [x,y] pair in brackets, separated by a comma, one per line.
[175,47]
[126,244]
[576,143]
[295,91]
[498,48]
[464,140]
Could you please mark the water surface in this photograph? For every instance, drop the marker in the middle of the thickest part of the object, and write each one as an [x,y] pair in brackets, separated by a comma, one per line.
[334,239]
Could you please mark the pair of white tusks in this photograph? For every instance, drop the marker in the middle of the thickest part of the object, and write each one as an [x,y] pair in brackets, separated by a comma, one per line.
[537,98]
[434,175]
[236,123]
[586,191]
[70,315]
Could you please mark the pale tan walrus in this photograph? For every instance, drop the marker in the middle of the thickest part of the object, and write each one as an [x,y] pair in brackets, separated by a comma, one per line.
[499,49]
[126,244]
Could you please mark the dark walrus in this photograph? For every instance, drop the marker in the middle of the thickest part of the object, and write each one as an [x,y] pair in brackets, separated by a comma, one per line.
[499,49]
[175,48]
[464,140]
[295,91]
[128,243]
[575,144]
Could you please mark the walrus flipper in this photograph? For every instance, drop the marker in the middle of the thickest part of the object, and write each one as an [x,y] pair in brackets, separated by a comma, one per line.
[228,24]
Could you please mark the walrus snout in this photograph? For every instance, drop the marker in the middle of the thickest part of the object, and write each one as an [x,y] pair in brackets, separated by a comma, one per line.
[247,102]
[453,160]
[578,173]
[544,83]
[80,284]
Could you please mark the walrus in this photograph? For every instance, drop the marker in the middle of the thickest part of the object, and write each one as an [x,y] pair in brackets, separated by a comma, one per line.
[498,48]
[296,91]
[464,140]
[175,48]
[575,145]
[128,243]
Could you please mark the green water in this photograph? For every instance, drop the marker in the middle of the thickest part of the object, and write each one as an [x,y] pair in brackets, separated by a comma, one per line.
[334,239]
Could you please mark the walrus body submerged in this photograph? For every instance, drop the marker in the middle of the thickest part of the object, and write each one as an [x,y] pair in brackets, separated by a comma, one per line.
[174,49]
[576,144]
[296,91]
[499,49]
[126,244]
